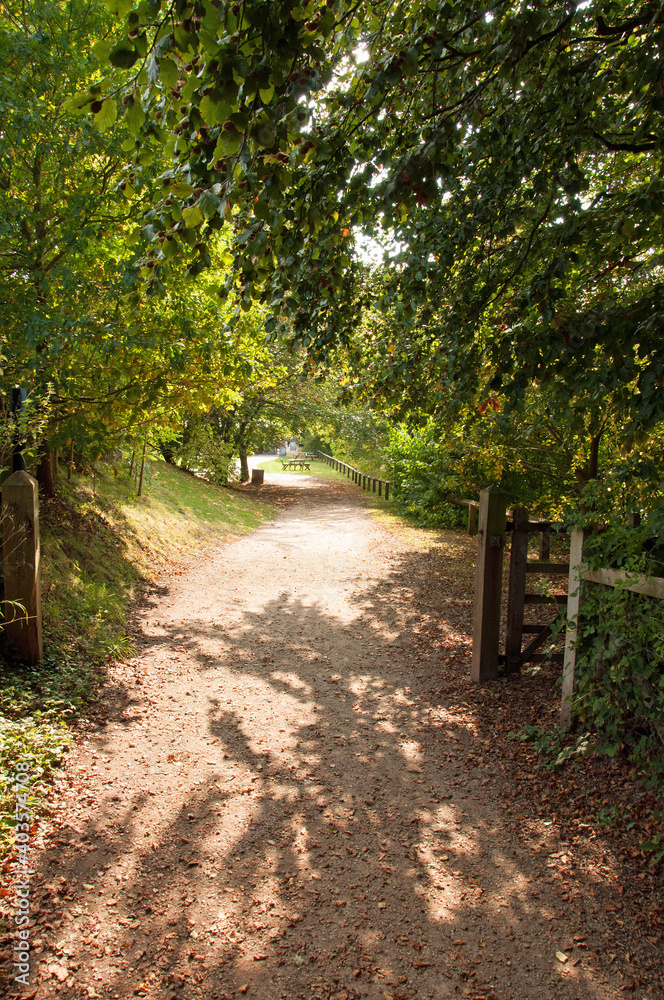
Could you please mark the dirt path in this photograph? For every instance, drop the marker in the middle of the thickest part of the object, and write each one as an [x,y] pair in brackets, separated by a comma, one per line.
[275,810]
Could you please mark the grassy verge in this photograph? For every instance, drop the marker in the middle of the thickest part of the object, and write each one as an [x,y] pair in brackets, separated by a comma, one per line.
[319,469]
[100,543]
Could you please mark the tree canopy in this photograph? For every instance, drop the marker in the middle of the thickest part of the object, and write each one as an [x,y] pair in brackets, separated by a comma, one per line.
[98,365]
[510,154]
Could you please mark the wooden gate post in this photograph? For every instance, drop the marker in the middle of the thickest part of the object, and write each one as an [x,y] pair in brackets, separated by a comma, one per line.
[577,539]
[488,584]
[517,591]
[21,564]
[472,519]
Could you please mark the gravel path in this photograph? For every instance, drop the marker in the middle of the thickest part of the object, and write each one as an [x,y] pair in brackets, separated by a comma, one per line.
[273,808]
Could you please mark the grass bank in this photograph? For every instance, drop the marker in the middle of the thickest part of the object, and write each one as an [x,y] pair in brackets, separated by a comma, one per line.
[100,544]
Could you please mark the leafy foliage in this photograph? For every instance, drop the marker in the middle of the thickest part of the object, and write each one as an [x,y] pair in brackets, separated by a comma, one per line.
[98,364]
[425,473]
[620,665]
[511,156]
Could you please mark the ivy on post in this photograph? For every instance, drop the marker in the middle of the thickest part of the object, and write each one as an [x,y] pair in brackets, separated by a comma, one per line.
[577,539]
[21,564]
[488,584]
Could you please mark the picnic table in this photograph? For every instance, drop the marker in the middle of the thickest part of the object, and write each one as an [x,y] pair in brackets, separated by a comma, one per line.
[296,463]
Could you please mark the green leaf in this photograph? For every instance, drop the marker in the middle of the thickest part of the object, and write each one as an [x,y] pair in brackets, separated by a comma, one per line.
[213,112]
[102,49]
[266,136]
[78,101]
[181,189]
[169,74]
[208,204]
[123,56]
[240,67]
[192,217]
[153,66]
[183,39]
[209,41]
[267,93]
[169,248]
[326,23]
[119,7]
[228,144]
[107,115]
[134,117]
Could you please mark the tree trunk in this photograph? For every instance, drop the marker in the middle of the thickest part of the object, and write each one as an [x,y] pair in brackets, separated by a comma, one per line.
[244,463]
[585,473]
[45,472]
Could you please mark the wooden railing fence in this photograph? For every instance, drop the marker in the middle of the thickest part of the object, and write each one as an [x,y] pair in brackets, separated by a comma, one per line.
[361,478]
[494,523]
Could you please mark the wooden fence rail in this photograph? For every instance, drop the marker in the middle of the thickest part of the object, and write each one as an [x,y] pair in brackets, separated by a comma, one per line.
[361,478]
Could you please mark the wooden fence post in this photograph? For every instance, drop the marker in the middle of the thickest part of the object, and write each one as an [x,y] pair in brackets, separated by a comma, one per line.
[517,591]
[472,519]
[577,539]
[21,562]
[140,481]
[488,584]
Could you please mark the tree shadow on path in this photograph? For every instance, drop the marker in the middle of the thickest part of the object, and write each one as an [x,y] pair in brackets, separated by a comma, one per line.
[344,836]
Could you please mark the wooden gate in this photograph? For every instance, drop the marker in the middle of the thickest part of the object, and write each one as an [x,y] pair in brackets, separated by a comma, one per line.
[516,654]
